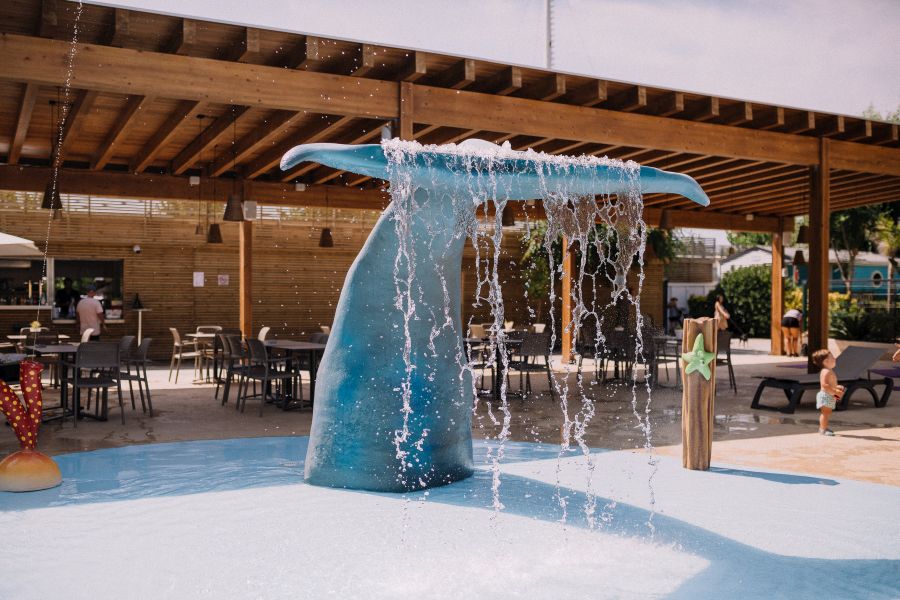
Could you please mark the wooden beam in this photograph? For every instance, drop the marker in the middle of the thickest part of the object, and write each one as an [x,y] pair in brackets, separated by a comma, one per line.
[49,24]
[319,133]
[670,103]
[151,186]
[247,48]
[461,75]
[858,130]
[819,265]
[504,82]
[886,133]
[771,119]
[801,123]
[549,88]
[777,292]
[186,110]
[120,28]
[123,70]
[305,54]
[74,118]
[633,98]
[120,129]
[705,109]
[185,38]
[245,294]
[26,107]
[207,139]
[591,94]
[566,297]
[406,111]
[250,142]
[366,57]
[705,218]
[467,110]
[737,114]
[416,67]
[829,125]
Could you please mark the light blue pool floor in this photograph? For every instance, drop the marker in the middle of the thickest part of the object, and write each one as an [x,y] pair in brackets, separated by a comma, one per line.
[736,569]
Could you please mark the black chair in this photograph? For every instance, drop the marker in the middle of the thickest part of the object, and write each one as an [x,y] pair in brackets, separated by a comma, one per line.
[274,374]
[534,346]
[587,345]
[44,338]
[723,344]
[138,359]
[234,357]
[97,368]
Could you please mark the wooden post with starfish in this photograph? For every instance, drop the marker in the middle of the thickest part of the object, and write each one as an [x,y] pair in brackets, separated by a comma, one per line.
[698,371]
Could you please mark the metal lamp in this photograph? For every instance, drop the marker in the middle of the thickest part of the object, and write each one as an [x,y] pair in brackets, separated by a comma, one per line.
[799,259]
[507,218]
[325,239]
[803,234]
[214,235]
[52,199]
[665,220]
[234,209]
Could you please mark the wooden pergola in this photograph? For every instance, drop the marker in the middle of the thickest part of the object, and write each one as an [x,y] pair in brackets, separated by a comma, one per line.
[134,84]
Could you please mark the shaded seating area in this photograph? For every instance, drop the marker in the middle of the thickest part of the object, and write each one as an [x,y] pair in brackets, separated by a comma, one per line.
[850,368]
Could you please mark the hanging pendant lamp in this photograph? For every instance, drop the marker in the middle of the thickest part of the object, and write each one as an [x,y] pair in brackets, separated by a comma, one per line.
[803,234]
[234,208]
[52,199]
[799,259]
[214,235]
[325,239]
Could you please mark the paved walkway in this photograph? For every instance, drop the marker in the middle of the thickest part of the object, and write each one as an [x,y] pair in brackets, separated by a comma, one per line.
[866,448]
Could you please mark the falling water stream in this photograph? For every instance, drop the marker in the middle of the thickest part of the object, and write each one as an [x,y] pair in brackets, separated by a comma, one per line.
[605,255]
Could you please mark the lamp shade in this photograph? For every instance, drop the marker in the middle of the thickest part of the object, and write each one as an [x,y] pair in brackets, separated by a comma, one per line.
[214,235]
[234,211]
[136,304]
[507,218]
[803,234]
[52,200]
[665,220]
[799,259]
[198,230]
[325,240]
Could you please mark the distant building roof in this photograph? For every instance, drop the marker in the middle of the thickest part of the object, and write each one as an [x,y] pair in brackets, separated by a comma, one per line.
[763,255]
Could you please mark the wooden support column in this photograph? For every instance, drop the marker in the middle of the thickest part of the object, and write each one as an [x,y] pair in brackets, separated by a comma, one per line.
[406,111]
[698,399]
[777,347]
[567,333]
[819,268]
[246,278]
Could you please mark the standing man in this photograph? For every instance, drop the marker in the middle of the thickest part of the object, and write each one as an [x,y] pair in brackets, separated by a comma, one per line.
[673,316]
[89,314]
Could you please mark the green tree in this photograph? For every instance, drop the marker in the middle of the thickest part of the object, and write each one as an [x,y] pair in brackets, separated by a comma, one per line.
[854,230]
[747,239]
[875,115]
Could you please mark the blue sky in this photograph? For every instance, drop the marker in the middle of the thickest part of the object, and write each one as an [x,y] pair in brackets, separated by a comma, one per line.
[816,54]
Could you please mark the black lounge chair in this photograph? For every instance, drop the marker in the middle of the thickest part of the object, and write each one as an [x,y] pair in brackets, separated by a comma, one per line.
[850,367]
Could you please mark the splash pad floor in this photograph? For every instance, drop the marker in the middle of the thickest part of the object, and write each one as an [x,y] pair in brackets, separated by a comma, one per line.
[233,519]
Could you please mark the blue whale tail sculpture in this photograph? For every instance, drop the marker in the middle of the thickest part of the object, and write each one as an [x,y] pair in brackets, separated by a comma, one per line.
[393,399]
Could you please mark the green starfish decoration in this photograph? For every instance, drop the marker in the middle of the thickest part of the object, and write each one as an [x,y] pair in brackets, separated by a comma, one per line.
[698,359]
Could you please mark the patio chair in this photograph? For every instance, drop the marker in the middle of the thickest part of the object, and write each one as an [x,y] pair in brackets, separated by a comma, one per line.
[97,368]
[180,351]
[50,360]
[274,375]
[588,346]
[723,344]
[850,367]
[534,346]
[233,356]
[86,335]
[263,332]
[138,359]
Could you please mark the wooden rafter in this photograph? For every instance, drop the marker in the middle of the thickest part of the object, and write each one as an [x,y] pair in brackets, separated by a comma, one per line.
[184,39]
[592,94]
[320,132]
[120,129]
[74,118]
[207,139]
[186,111]
[26,107]
[245,146]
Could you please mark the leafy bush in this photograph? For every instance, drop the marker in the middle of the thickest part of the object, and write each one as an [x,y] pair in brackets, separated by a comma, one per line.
[849,321]
[748,297]
[793,298]
[702,306]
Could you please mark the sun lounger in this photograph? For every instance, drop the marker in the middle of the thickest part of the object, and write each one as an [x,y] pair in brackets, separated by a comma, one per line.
[850,369]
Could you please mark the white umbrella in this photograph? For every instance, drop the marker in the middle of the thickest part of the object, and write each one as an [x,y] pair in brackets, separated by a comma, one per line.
[12,246]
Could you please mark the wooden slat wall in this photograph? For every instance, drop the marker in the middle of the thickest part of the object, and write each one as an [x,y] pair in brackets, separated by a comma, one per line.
[296,283]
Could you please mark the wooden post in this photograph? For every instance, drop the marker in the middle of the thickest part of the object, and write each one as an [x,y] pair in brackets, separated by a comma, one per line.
[566,302]
[406,111]
[246,278]
[819,268]
[698,398]
[777,346]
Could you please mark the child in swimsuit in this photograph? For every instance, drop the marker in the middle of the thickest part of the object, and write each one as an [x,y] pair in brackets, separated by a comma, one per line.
[830,392]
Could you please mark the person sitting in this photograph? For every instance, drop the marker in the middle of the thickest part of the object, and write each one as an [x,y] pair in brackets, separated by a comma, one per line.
[720,313]
[89,314]
[790,327]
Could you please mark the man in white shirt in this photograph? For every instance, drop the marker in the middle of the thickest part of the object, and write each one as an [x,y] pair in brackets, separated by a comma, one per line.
[89,314]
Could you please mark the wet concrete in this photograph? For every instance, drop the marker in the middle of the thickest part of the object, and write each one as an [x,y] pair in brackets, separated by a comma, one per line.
[867,446]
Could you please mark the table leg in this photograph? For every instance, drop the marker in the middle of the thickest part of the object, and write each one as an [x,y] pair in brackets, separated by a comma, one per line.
[313,371]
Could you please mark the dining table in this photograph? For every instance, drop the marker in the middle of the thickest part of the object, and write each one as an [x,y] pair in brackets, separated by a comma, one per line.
[290,348]
[63,352]
[206,340]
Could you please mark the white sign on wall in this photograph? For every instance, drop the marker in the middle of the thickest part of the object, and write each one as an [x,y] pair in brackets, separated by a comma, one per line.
[198,279]
[223,280]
